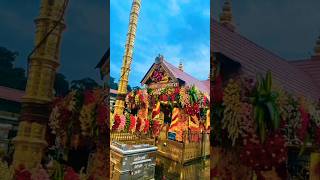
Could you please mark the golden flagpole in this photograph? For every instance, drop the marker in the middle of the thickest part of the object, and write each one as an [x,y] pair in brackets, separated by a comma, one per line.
[127,58]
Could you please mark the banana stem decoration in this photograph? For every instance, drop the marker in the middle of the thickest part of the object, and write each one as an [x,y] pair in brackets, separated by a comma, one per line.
[266,112]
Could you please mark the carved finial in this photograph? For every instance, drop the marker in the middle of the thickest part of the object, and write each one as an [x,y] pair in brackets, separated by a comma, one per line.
[159,59]
[226,15]
[180,66]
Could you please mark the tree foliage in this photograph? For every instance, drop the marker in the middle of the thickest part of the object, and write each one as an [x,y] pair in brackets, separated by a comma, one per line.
[114,85]
[84,84]
[9,75]
[61,85]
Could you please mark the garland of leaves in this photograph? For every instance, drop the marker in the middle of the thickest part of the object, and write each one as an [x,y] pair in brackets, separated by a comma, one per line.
[261,120]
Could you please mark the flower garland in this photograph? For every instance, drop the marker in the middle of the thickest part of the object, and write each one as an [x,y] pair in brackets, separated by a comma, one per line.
[80,112]
[146,126]
[304,124]
[263,156]
[191,99]
[156,127]
[231,115]
[157,75]
[298,122]
[137,99]
[133,123]
[140,125]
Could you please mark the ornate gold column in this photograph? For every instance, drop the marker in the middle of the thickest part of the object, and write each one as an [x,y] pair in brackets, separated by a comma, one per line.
[44,61]
[127,58]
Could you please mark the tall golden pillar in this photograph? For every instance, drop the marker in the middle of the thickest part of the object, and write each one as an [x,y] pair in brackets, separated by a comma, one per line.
[127,58]
[43,63]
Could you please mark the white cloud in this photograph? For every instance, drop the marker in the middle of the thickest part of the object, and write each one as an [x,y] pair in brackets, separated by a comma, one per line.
[206,12]
[198,63]
[174,6]
[159,31]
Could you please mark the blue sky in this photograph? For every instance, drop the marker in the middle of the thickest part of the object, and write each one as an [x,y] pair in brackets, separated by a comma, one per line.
[177,29]
[288,28]
[84,41]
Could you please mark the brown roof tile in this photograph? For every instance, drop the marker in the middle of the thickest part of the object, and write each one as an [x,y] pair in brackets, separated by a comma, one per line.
[11,94]
[310,66]
[255,59]
[203,86]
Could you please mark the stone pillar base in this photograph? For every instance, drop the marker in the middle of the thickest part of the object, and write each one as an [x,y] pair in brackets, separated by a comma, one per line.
[29,144]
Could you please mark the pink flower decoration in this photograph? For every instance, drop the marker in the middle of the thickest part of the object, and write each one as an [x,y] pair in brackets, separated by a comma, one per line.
[122,122]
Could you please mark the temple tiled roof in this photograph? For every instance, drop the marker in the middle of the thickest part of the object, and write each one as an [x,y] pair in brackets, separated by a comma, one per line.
[203,86]
[310,66]
[189,80]
[10,94]
[254,59]
[113,91]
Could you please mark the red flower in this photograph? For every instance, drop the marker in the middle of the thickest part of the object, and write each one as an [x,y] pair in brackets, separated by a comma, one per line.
[22,173]
[165,98]
[193,110]
[70,174]
[204,100]
[139,92]
[117,122]
[65,115]
[140,124]
[157,76]
[156,128]
[264,156]
[133,122]
[146,126]
[102,114]
[305,119]
[57,101]
[173,97]
[177,90]
[88,97]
